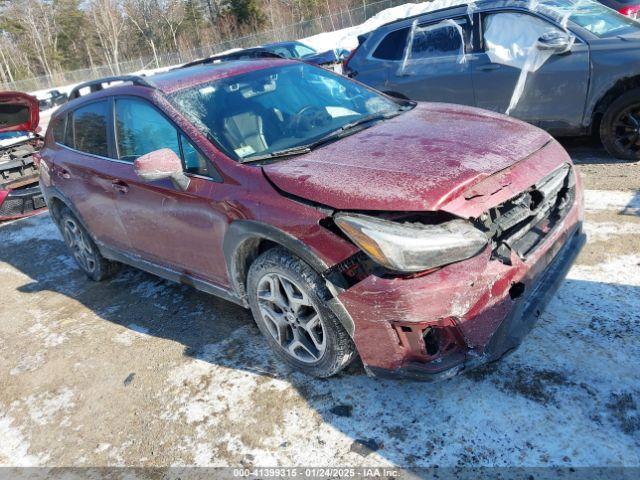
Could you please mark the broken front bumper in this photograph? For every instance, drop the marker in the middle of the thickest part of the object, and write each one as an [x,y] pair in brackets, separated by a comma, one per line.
[434,326]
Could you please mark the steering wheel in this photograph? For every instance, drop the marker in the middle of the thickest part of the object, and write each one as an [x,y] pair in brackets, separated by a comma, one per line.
[307,119]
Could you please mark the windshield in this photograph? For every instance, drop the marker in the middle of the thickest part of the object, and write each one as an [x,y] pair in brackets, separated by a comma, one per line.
[266,111]
[600,20]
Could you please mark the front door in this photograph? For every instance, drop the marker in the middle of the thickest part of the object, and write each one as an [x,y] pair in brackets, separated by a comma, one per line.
[182,230]
[433,66]
[510,75]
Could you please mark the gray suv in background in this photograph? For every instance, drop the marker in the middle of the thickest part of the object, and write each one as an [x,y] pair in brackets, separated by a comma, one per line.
[571,67]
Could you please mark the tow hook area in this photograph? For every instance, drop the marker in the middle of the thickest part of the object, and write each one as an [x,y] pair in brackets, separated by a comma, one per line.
[425,343]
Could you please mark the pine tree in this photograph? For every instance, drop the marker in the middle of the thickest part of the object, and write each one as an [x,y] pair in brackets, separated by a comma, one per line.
[246,11]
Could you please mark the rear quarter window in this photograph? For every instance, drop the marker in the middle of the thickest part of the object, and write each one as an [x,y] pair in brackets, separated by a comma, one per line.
[90,128]
[392,46]
[58,129]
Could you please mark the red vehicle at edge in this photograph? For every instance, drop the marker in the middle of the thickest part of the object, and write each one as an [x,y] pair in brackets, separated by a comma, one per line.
[425,238]
[19,141]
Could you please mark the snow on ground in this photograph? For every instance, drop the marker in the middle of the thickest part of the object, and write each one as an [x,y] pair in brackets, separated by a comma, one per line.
[153,373]
[624,202]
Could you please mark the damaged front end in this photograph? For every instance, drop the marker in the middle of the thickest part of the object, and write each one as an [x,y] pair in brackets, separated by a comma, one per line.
[20,193]
[475,293]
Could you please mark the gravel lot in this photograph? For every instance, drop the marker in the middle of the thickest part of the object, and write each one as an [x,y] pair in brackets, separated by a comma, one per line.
[138,371]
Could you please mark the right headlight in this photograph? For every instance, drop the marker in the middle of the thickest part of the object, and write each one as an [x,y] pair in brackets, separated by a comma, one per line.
[412,247]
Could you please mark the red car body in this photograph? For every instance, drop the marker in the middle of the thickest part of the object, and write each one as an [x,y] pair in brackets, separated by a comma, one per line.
[19,192]
[435,158]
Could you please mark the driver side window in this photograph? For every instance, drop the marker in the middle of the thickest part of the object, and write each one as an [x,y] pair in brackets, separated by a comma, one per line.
[510,37]
[141,129]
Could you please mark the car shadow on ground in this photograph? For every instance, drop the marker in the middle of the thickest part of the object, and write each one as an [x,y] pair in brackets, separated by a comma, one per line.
[545,400]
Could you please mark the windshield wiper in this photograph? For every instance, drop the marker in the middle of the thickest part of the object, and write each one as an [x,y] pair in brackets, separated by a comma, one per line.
[369,118]
[334,135]
[278,153]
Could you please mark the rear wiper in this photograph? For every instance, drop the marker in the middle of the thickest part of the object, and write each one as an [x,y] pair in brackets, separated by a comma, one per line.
[339,133]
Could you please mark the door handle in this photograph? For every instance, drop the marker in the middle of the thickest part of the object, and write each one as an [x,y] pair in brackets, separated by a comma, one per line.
[489,67]
[120,187]
[62,173]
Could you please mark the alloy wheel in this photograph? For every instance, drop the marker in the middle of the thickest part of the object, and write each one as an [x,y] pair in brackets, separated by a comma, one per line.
[80,248]
[291,318]
[626,130]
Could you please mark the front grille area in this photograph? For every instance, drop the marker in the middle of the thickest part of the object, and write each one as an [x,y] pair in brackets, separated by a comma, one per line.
[522,223]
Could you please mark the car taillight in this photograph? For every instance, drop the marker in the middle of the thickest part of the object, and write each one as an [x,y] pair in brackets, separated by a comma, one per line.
[345,64]
[633,11]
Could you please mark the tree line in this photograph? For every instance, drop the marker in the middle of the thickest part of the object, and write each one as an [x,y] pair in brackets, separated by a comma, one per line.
[46,37]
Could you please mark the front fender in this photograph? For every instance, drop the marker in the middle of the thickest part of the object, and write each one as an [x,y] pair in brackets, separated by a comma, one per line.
[240,247]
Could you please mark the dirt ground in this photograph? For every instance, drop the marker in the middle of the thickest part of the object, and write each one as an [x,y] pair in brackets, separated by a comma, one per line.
[138,371]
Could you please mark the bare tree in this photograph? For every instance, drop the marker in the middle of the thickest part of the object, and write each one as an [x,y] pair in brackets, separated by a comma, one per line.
[146,16]
[174,16]
[109,21]
[35,26]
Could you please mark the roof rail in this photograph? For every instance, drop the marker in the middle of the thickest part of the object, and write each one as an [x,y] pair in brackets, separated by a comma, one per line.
[97,85]
[253,53]
[462,3]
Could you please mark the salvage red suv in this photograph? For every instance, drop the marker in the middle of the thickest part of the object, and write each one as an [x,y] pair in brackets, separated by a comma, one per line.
[424,238]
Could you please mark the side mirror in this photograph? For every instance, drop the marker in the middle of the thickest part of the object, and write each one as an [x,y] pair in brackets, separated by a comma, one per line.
[160,164]
[555,42]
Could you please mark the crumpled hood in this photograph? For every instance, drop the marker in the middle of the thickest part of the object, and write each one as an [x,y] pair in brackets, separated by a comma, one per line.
[19,112]
[417,161]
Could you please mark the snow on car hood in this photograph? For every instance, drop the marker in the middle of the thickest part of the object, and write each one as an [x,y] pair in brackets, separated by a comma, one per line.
[414,162]
[19,112]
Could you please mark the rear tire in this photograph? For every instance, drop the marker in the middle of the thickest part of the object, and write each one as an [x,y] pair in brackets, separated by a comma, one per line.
[620,126]
[287,299]
[83,249]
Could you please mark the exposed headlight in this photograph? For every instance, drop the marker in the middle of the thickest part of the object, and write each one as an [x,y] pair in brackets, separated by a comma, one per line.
[412,247]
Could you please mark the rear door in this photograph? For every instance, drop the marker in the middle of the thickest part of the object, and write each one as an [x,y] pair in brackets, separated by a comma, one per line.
[432,65]
[182,230]
[511,76]
[84,171]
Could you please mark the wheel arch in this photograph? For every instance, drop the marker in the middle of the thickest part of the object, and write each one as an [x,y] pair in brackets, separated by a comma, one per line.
[608,97]
[245,240]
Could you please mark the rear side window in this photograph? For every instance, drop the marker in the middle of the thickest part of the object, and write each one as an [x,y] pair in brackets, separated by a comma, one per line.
[59,129]
[90,129]
[442,39]
[393,45]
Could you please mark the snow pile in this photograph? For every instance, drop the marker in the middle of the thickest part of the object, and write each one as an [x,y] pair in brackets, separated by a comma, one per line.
[347,38]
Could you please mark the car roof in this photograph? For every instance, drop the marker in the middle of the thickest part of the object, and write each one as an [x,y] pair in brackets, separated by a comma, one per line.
[174,80]
[283,44]
[481,5]
[178,79]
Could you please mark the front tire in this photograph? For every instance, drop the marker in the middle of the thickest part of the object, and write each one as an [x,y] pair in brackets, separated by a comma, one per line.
[287,299]
[84,250]
[620,126]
